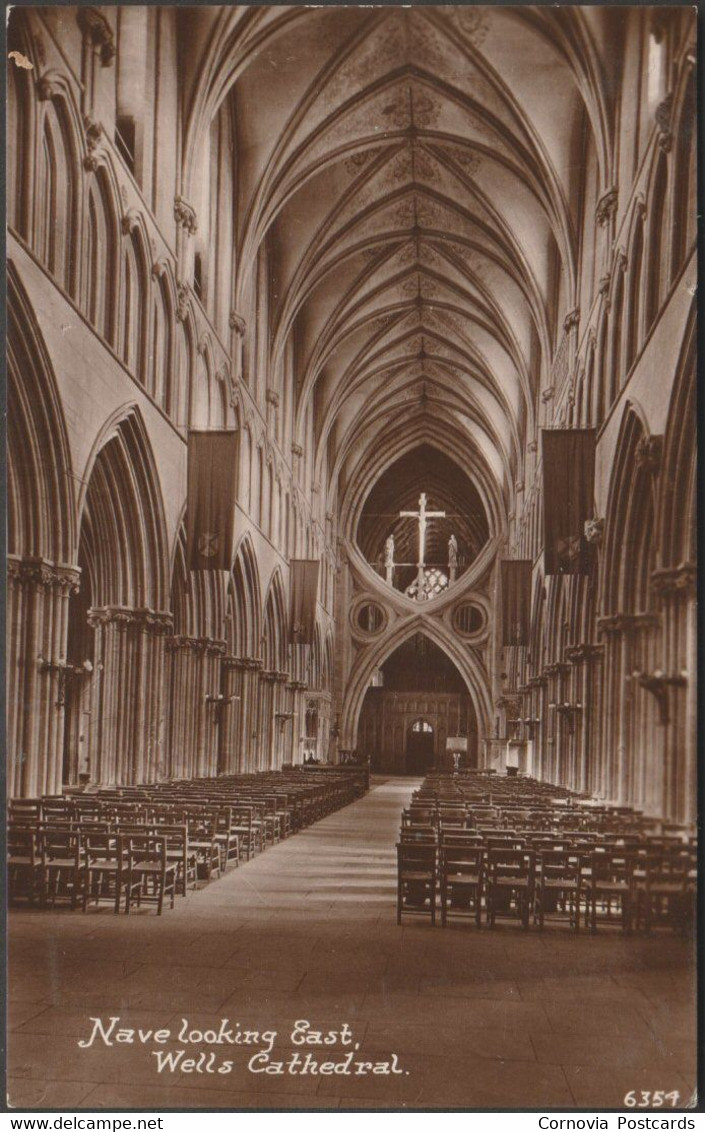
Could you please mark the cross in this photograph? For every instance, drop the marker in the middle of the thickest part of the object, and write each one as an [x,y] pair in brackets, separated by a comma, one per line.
[423,516]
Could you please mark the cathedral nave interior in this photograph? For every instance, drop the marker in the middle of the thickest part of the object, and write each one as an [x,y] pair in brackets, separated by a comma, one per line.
[427,276]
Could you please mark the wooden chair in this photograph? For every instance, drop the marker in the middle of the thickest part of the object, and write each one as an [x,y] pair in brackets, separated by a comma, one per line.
[416,879]
[60,849]
[661,889]
[102,867]
[607,883]
[24,811]
[557,886]
[179,853]
[227,835]
[148,875]
[203,841]
[462,873]
[510,884]
[23,863]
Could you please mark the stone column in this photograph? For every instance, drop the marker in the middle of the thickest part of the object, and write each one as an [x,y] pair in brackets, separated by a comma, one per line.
[37,626]
[231,757]
[196,707]
[127,704]
[675,588]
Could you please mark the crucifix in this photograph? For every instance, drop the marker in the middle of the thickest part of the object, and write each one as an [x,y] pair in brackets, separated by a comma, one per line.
[423,516]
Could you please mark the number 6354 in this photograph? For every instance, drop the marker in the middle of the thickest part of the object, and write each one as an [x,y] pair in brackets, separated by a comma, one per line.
[641,1099]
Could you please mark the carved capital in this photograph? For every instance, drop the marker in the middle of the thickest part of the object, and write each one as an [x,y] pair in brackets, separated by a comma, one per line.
[200,646]
[98,33]
[663,118]
[297,450]
[272,398]
[649,452]
[237,323]
[183,298]
[547,394]
[571,320]
[94,133]
[675,580]
[594,531]
[47,88]
[537,681]
[606,206]
[185,215]
[620,623]
[587,651]
[154,621]
[39,572]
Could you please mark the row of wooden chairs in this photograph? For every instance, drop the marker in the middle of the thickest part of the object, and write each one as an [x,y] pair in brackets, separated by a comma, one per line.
[526,849]
[136,866]
[77,846]
[603,884]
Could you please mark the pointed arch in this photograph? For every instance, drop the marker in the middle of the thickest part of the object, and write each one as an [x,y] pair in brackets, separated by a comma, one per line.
[40,495]
[245,603]
[468,664]
[274,626]
[122,523]
[630,545]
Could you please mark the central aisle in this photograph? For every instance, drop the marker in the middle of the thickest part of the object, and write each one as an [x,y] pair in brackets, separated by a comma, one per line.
[307,931]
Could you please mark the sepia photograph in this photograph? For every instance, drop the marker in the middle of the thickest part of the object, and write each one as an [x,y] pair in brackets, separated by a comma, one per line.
[351,653]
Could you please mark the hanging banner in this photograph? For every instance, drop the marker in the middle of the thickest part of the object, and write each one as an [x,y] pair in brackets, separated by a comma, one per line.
[568,498]
[515,579]
[304,594]
[212,492]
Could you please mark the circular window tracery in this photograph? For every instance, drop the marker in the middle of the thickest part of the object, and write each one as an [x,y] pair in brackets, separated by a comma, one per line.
[368,617]
[469,619]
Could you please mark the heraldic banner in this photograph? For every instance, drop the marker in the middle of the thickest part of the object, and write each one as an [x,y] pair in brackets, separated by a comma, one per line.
[304,592]
[568,498]
[212,491]
[516,600]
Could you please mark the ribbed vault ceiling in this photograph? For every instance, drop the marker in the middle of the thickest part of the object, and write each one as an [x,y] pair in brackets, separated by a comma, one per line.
[413,175]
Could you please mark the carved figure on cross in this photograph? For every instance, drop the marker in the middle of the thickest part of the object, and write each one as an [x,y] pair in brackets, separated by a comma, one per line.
[423,516]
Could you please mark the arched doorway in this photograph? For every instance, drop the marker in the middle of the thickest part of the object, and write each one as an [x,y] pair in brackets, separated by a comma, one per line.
[415,702]
[420,741]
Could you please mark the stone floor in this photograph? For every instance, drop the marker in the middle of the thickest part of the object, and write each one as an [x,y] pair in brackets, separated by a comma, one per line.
[307,931]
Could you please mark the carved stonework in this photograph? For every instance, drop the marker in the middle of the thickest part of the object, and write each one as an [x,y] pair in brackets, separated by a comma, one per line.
[675,580]
[200,646]
[39,572]
[98,33]
[583,652]
[185,215]
[47,88]
[532,446]
[94,132]
[594,531]
[571,320]
[649,452]
[272,398]
[182,301]
[547,394]
[237,323]
[662,116]
[626,623]
[473,22]
[150,620]
[606,206]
